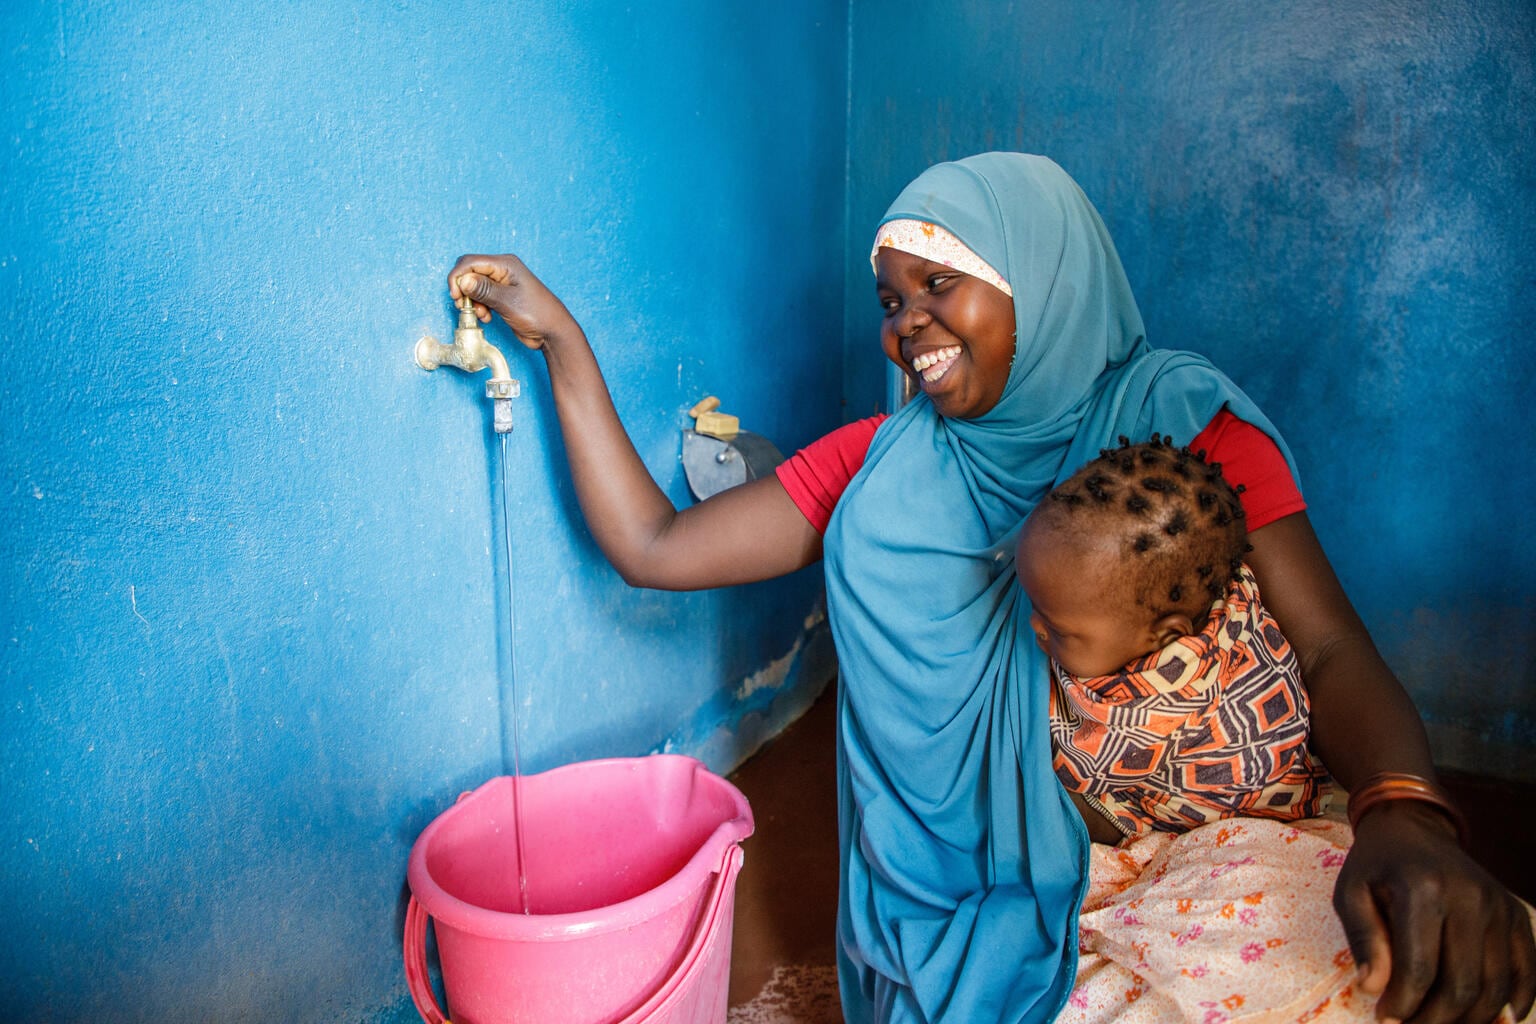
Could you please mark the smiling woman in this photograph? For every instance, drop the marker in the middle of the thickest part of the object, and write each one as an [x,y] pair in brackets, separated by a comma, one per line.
[950,329]
[964,863]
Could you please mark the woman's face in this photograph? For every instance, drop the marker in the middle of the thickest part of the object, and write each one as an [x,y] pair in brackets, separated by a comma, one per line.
[951,332]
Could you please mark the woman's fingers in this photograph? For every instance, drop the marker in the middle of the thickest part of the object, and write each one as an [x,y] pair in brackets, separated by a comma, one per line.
[490,282]
[1462,951]
[1415,912]
[502,284]
[495,270]
[1440,939]
[1366,933]
[1470,989]
[1522,964]
[480,290]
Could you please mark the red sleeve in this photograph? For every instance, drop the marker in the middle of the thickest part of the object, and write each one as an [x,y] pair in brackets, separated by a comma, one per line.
[1248,456]
[816,475]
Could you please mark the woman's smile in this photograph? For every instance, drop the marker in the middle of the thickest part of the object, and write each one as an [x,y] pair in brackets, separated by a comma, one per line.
[930,366]
[953,333]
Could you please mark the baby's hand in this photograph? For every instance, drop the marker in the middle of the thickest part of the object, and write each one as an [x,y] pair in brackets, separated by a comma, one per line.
[504,284]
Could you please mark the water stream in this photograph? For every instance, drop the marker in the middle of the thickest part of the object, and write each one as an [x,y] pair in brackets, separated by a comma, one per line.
[513,716]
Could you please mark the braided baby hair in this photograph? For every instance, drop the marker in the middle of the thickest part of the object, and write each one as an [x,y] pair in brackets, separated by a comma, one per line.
[1180,525]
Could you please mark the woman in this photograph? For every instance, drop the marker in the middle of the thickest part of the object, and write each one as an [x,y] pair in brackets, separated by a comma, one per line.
[964,863]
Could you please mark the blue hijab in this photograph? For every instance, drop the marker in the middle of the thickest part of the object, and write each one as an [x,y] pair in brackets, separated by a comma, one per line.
[963,860]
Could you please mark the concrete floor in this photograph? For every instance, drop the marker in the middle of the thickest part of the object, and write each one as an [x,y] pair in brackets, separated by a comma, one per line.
[782,965]
[782,958]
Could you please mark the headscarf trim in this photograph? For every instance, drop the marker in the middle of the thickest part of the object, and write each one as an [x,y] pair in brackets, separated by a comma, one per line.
[931,242]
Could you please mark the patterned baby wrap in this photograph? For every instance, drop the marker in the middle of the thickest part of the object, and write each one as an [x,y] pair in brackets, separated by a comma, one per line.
[1212,726]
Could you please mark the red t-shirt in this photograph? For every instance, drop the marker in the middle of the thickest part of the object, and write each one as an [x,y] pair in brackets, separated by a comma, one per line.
[816,475]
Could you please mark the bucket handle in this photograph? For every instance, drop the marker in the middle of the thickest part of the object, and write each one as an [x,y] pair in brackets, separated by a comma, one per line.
[416,976]
[418,981]
[693,961]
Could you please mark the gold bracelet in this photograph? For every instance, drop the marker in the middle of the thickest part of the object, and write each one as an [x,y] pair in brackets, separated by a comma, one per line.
[1385,786]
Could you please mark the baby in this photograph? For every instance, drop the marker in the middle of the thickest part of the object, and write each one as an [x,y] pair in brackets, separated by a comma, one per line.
[1175,698]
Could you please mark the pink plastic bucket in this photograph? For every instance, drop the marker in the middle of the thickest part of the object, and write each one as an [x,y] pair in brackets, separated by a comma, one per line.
[631,871]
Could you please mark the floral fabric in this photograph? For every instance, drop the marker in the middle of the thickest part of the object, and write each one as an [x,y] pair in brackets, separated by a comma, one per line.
[1232,921]
[1229,921]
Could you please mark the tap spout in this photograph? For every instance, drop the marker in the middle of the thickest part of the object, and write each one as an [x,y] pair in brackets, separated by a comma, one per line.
[471,353]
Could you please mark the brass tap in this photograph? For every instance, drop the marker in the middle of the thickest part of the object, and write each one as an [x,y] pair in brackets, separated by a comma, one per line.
[471,353]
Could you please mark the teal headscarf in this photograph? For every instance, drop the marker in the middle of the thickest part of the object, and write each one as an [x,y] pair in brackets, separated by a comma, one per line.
[963,861]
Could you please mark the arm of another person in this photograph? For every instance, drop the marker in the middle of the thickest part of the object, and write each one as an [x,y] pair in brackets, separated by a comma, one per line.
[1436,935]
[751,532]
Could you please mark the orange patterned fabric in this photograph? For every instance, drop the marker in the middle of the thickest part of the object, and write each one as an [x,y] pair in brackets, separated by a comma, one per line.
[1212,726]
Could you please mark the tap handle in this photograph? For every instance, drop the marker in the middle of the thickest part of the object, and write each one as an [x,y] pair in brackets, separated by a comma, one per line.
[467,316]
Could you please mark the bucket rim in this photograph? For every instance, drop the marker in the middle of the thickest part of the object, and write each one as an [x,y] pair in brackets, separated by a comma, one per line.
[450,911]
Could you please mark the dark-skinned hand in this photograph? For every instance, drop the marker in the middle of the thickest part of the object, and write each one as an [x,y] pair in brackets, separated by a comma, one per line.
[503,284]
[1437,937]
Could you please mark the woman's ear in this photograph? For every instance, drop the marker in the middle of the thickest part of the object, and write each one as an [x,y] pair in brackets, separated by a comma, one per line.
[1170,627]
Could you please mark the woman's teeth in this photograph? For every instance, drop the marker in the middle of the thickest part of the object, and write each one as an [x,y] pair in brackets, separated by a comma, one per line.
[933,365]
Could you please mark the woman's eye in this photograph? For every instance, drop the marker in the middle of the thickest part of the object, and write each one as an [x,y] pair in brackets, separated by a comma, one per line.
[938,281]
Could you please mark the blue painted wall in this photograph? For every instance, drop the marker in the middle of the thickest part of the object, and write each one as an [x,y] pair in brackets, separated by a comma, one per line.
[252,625]
[1335,202]
[253,633]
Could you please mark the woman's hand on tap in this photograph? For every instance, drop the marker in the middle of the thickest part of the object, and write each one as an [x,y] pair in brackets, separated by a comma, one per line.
[503,284]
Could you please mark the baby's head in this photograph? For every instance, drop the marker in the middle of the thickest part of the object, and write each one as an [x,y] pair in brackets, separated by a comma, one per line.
[1129,554]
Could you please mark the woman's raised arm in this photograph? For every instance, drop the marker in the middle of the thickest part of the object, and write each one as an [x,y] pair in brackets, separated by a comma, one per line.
[1441,940]
[752,532]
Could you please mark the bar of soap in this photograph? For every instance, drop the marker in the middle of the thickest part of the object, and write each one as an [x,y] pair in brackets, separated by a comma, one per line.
[717,424]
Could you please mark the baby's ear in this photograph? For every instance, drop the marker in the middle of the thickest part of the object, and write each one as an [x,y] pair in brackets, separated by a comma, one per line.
[1172,626]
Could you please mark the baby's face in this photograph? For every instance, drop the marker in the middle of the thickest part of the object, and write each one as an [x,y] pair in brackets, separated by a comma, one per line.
[1082,619]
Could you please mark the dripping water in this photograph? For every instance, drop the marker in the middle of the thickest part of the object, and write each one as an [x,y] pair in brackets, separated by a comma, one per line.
[512,716]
